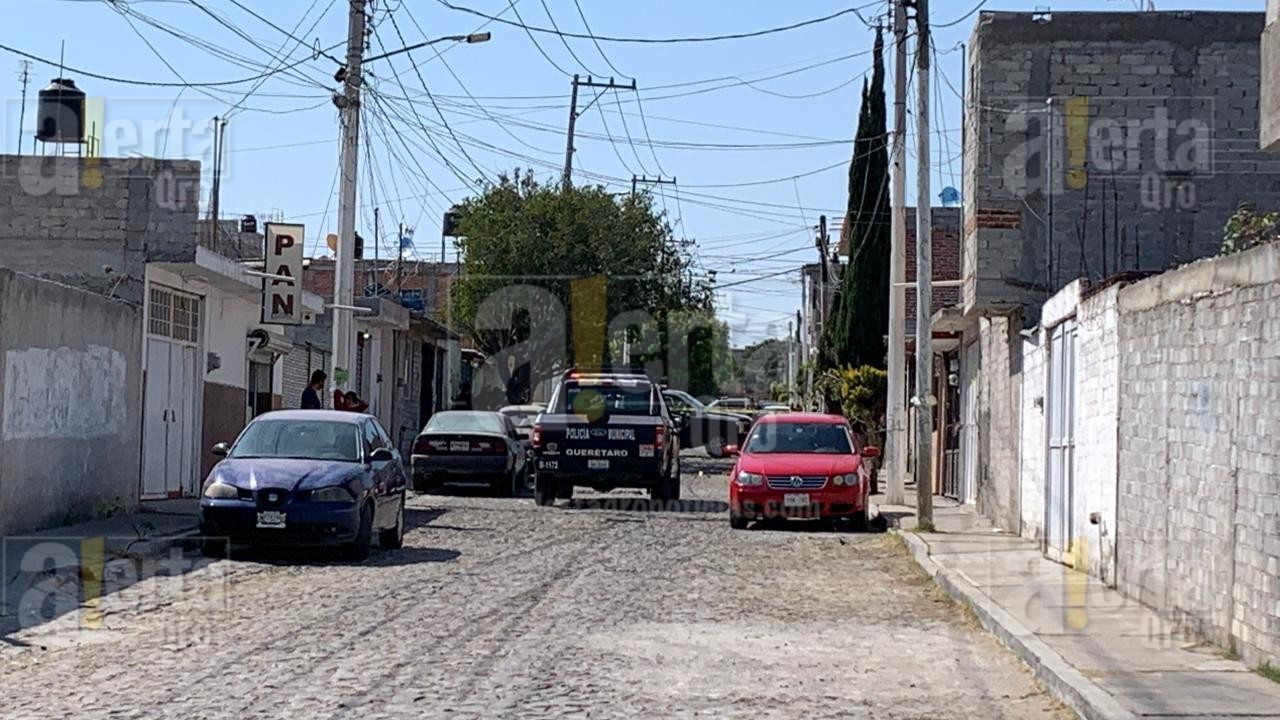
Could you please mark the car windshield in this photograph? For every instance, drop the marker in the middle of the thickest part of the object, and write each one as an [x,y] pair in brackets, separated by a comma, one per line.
[609,397]
[464,422]
[817,438]
[684,401]
[521,418]
[299,439]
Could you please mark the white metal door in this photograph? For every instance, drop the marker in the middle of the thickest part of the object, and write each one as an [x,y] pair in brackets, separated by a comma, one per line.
[155,423]
[1060,439]
[182,421]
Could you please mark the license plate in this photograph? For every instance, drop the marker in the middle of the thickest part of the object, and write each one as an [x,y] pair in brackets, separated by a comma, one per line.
[271,519]
[597,464]
[463,446]
[795,500]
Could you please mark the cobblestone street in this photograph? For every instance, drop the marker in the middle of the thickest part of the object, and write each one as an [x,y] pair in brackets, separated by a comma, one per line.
[499,609]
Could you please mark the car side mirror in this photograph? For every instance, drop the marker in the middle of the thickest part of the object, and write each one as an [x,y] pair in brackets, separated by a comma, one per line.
[732,450]
[382,455]
[871,451]
[220,450]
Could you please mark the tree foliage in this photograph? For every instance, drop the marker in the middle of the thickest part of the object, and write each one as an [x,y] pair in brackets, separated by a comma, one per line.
[862,396]
[553,276]
[1249,228]
[855,335]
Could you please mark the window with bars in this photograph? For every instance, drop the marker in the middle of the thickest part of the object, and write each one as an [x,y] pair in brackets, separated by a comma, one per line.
[174,315]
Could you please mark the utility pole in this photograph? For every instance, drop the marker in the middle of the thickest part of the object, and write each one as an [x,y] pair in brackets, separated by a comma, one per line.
[637,180]
[895,454]
[399,261]
[924,280]
[215,194]
[22,113]
[574,113]
[344,270]
[377,240]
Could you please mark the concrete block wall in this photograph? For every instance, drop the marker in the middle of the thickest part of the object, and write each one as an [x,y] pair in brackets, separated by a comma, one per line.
[1097,410]
[999,422]
[70,404]
[1199,504]
[94,223]
[1150,145]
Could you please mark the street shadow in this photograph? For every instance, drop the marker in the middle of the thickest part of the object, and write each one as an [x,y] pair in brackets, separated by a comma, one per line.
[633,503]
[45,577]
[893,518]
[415,518]
[321,556]
[875,525]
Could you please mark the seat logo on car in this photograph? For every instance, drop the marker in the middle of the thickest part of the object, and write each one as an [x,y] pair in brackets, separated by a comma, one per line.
[796,481]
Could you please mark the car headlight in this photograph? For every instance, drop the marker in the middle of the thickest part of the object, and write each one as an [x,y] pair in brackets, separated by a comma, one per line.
[221,491]
[851,479]
[837,480]
[750,479]
[331,494]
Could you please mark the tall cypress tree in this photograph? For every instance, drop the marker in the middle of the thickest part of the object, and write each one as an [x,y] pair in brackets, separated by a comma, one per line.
[860,315]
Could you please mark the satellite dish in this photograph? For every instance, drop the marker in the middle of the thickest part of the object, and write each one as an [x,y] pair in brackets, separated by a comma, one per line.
[332,241]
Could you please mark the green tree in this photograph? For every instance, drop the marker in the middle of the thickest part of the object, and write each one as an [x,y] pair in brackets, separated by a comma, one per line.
[861,394]
[860,313]
[553,276]
[1248,228]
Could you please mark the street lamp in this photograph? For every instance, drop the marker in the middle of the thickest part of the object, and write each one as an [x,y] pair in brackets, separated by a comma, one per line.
[471,39]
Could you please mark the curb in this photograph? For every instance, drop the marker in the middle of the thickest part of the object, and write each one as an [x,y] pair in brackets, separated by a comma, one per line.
[1059,677]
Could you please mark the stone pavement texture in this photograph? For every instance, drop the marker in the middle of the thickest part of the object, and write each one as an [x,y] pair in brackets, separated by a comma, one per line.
[497,608]
[1101,653]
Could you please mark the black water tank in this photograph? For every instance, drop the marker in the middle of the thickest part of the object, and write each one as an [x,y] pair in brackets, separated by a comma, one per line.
[248,224]
[60,112]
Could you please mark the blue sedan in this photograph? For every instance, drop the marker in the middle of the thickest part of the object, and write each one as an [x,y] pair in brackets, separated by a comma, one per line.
[306,477]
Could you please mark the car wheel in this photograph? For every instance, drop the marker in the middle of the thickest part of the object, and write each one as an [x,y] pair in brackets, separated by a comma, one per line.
[359,548]
[738,522]
[503,486]
[859,522]
[544,489]
[422,484]
[564,491]
[673,492]
[393,538]
[660,491]
[715,446]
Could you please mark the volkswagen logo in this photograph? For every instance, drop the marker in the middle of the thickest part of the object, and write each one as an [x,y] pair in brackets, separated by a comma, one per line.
[796,481]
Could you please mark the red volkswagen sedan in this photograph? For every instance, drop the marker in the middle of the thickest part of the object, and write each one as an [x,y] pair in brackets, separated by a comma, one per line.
[800,465]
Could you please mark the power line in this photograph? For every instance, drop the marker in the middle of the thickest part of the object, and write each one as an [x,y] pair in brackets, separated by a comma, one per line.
[959,20]
[712,38]
[155,83]
[512,6]
[565,41]
[599,49]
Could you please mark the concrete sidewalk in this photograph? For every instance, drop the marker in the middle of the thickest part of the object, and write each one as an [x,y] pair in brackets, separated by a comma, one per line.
[1103,654]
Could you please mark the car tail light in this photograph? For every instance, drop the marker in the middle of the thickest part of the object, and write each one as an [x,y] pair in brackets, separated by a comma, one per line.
[493,448]
[660,437]
[535,438]
[421,446]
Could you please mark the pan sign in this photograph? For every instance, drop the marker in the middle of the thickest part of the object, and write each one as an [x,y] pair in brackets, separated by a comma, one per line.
[282,297]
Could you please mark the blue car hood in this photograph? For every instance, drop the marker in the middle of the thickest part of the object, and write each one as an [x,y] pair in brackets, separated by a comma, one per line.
[287,474]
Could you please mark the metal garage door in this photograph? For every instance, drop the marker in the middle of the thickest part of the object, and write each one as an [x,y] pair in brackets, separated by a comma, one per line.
[1060,407]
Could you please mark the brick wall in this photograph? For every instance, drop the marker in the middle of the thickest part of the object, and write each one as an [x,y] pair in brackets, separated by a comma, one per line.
[1199,503]
[94,223]
[1031,458]
[433,279]
[1152,144]
[1097,408]
[946,260]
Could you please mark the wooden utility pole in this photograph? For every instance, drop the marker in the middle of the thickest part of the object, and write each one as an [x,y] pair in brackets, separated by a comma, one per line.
[22,112]
[895,451]
[924,280]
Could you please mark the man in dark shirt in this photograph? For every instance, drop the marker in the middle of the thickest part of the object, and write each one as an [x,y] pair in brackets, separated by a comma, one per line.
[311,396]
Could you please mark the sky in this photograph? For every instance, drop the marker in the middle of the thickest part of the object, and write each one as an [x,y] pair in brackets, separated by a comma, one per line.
[757,132]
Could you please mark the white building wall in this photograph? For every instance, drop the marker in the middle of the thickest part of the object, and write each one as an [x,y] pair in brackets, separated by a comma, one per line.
[1032,451]
[1096,432]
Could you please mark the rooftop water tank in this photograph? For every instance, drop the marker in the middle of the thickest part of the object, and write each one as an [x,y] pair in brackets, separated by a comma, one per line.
[60,113]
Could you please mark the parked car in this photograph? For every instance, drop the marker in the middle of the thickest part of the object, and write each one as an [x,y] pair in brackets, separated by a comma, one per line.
[774,408]
[606,431]
[523,416]
[800,465]
[705,427]
[738,405]
[469,447]
[306,477]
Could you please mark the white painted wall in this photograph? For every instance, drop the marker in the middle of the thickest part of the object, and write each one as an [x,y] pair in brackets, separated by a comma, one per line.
[1031,459]
[1097,429]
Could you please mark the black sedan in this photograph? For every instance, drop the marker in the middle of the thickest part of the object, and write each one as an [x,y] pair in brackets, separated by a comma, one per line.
[470,447]
[704,426]
[306,477]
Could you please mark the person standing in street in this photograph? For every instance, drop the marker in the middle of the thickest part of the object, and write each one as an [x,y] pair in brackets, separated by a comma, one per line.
[311,396]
